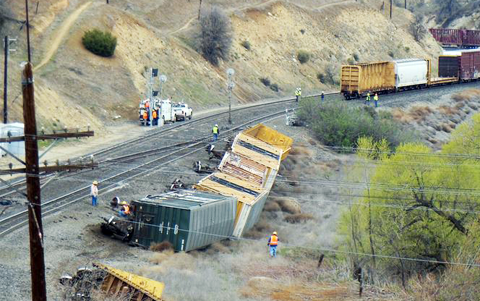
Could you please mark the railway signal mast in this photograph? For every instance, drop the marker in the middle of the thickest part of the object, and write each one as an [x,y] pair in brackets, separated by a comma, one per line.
[32,172]
[6,44]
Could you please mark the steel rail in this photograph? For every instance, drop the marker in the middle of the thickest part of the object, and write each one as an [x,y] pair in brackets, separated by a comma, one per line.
[21,215]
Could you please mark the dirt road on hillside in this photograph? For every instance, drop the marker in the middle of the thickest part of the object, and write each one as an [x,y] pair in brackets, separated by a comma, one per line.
[60,35]
[320,7]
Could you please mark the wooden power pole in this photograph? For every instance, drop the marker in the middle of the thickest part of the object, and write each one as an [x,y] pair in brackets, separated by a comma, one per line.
[37,262]
[32,170]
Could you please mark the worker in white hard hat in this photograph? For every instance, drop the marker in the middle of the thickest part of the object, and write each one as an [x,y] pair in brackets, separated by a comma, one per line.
[94,193]
[273,243]
[215,132]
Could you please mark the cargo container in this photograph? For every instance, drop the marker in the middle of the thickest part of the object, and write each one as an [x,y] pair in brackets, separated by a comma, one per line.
[187,219]
[456,37]
[357,80]
[411,73]
[449,66]
[271,137]
[470,66]
[242,167]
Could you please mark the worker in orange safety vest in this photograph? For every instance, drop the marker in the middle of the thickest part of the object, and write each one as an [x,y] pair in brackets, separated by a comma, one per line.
[124,210]
[273,243]
[154,117]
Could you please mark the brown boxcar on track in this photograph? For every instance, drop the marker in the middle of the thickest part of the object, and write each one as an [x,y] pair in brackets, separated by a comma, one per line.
[456,37]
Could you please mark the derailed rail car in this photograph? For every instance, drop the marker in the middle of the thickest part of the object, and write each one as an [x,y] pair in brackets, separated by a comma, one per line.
[187,219]
[225,204]
[258,150]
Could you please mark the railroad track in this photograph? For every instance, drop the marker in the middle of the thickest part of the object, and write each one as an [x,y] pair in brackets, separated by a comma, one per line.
[168,155]
[106,153]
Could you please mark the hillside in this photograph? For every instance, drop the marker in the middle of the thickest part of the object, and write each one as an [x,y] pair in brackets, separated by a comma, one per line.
[76,88]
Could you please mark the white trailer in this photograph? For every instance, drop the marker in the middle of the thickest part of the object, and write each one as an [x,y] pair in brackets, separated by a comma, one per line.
[411,72]
[165,110]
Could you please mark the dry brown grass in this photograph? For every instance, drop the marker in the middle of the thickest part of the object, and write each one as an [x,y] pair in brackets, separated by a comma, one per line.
[161,247]
[467,95]
[401,116]
[446,110]
[298,218]
[272,207]
[288,205]
[420,113]
[301,151]
[446,128]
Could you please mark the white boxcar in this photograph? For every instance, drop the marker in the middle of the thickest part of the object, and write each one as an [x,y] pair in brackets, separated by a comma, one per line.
[410,72]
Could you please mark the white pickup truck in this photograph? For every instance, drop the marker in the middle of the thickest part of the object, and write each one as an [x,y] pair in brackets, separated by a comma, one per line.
[182,111]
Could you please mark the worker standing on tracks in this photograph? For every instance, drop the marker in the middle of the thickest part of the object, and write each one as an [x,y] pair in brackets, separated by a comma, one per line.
[154,117]
[298,94]
[375,100]
[367,99]
[94,193]
[322,96]
[273,243]
[215,132]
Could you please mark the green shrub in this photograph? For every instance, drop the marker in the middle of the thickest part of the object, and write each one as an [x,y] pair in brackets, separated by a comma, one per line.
[351,61]
[302,31]
[100,43]
[274,87]
[321,77]
[391,54]
[265,81]
[246,45]
[341,124]
[407,49]
[356,57]
[303,56]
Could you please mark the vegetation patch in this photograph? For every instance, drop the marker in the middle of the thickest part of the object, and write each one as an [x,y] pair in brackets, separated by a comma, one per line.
[162,246]
[215,37]
[303,56]
[265,81]
[339,124]
[274,87]
[246,44]
[99,42]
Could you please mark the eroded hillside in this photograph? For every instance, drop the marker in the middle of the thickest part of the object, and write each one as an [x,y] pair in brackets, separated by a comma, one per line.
[75,87]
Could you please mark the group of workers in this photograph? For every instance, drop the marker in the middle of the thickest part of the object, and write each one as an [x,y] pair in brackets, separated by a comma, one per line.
[298,95]
[145,113]
[125,209]
[375,99]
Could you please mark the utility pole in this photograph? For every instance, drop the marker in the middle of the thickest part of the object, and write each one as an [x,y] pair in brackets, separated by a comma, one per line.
[37,261]
[391,9]
[32,171]
[5,78]
[405,4]
[230,86]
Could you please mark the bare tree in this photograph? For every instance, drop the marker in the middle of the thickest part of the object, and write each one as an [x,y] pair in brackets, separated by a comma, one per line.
[417,29]
[215,37]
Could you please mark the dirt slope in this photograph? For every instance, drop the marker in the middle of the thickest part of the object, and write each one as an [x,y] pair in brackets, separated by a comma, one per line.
[158,34]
